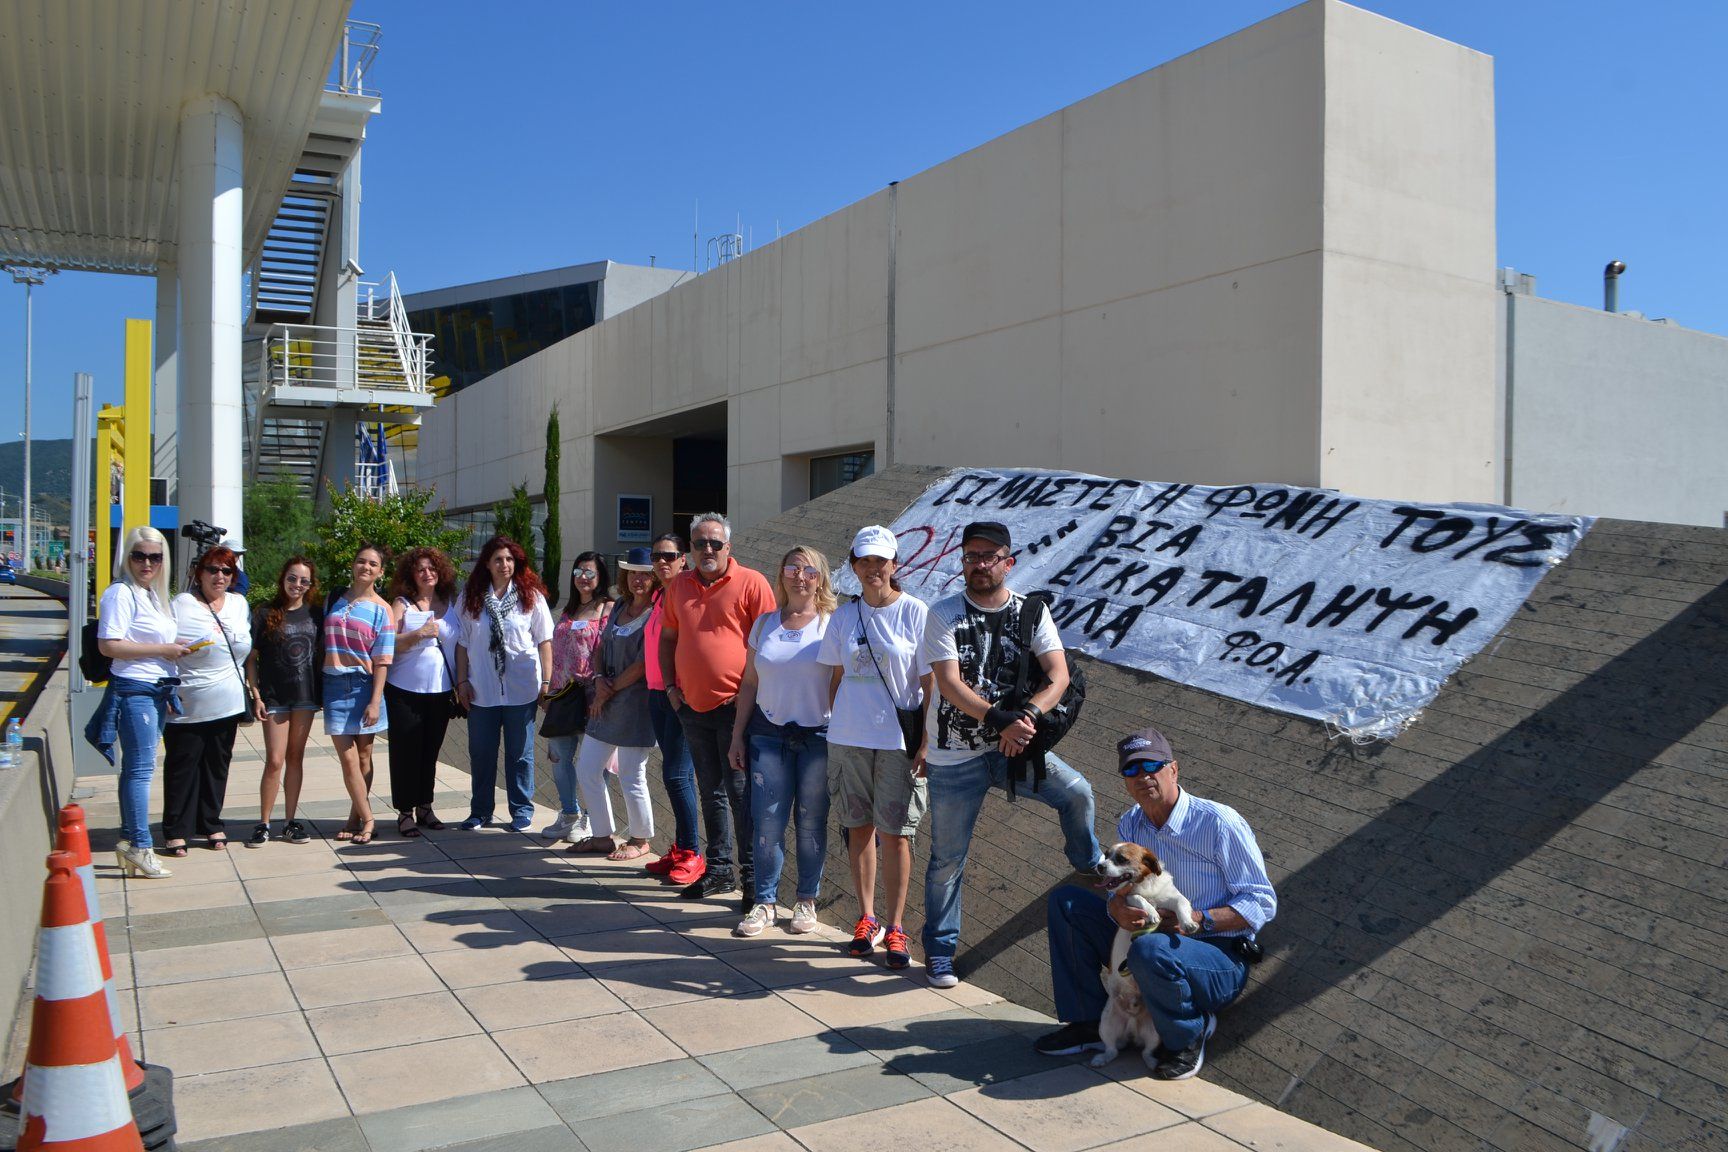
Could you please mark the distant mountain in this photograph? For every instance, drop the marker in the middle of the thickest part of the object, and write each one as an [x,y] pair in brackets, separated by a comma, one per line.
[50,478]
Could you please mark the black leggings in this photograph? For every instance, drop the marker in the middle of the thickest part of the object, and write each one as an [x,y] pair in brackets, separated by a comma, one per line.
[417,724]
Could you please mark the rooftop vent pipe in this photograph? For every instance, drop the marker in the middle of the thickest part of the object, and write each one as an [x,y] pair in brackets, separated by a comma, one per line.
[1611,285]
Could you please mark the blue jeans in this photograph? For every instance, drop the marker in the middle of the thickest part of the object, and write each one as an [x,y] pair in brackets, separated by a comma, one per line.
[956,796]
[788,767]
[563,752]
[133,712]
[1181,978]
[515,722]
[676,771]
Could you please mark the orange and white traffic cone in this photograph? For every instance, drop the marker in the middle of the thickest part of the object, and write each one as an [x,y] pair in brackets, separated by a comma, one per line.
[74,1091]
[74,837]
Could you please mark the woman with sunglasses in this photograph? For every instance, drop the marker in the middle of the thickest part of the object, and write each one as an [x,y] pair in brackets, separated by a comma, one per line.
[620,734]
[417,688]
[285,673]
[359,644]
[574,639]
[503,669]
[135,628]
[781,737]
[683,863]
[216,629]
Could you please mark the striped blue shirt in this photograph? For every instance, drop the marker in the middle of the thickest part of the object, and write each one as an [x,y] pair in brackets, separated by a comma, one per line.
[1210,852]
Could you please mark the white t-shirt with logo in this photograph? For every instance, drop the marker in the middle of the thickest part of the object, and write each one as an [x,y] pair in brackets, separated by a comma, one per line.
[791,686]
[986,644]
[211,687]
[864,706]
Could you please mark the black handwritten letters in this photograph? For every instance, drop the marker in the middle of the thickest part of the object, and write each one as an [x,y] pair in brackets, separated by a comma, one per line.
[1302,599]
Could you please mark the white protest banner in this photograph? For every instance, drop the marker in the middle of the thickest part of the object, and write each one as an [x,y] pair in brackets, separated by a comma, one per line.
[1346,610]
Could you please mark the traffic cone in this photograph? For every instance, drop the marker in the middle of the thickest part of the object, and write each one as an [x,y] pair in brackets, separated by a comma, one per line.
[73,837]
[74,1091]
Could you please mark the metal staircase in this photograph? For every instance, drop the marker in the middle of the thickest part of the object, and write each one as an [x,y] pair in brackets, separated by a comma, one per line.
[310,384]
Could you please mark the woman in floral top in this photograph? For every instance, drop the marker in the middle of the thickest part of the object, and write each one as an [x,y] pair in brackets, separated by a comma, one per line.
[574,640]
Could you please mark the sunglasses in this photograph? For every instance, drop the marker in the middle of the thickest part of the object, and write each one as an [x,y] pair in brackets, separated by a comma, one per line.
[215,570]
[808,571]
[709,545]
[1143,768]
[585,574]
[668,557]
[297,580]
[146,557]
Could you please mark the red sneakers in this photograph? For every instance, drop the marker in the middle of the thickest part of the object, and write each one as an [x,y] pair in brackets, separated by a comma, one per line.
[689,868]
[665,863]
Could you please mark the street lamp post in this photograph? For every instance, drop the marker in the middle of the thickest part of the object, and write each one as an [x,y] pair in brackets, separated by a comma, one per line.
[29,276]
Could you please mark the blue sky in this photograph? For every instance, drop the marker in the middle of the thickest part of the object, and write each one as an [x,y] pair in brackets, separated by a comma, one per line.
[533,135]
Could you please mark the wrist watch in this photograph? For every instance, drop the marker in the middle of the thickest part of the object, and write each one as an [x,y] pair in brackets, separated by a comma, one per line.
[1206,922]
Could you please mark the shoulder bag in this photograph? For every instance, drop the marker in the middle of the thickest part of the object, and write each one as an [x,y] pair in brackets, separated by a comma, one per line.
[567,709]
[911,719]
[250,715]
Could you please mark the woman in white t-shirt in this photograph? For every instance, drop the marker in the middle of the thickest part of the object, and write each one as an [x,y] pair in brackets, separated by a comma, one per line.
[873,646]
[503,670]
[136,630]
[781,737]
[215,626]
[417,687]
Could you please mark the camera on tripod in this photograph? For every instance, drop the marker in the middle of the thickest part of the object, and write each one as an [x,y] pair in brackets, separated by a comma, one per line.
[206,536]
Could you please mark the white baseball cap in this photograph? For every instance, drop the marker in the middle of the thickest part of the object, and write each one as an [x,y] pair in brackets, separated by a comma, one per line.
[875,540]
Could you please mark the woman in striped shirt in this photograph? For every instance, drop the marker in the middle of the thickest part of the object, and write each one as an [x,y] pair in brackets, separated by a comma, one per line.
[359,643]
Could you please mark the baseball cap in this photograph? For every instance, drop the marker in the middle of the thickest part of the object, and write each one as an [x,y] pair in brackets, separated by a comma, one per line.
[1146,744]
[875,540]
[992,530]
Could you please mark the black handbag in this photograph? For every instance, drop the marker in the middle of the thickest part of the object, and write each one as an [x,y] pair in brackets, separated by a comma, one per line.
[911,719]
[566,711]
[453,702]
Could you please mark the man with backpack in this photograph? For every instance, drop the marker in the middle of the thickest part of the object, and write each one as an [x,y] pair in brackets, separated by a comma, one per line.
[1003,695]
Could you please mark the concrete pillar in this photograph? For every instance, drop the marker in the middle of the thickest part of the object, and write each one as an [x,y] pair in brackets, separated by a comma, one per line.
[166,389]
[211,408]
[337,304]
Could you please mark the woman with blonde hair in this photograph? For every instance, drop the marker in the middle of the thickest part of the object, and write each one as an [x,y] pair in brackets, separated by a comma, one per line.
[136,629]
[781,737]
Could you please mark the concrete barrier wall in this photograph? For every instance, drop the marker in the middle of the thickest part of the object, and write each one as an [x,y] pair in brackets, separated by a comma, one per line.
[30,796]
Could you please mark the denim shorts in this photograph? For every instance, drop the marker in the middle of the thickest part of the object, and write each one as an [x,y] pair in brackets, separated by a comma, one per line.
[345,698]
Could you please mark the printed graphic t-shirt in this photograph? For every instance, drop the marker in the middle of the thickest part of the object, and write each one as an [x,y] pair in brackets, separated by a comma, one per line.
[987,646]
[289,659]
[863,707]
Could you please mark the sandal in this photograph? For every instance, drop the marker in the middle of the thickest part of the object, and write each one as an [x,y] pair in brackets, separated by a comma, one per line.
[595,846]
[405,826]
[629,850]
[427,819]
[216,843]
[346,832]
[174,850]
[364,836]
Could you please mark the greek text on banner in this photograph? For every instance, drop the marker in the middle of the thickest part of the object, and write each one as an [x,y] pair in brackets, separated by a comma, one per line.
[1347,610]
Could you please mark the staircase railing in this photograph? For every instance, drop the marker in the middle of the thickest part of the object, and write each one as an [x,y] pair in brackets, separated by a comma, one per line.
[314,356]
[354,59]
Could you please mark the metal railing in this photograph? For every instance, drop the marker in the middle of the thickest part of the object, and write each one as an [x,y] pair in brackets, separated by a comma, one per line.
[318,356]
[375,479]
[354,59]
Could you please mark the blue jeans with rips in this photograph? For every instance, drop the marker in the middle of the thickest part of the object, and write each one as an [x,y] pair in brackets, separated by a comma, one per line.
[788,769]
[676,770]
[133,713]
[562,750]
[956,795]
[515,724]
[1181,978]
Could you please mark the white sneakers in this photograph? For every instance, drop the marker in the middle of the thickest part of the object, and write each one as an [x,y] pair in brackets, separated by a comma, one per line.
[761,916]
[567,827]
[803,917]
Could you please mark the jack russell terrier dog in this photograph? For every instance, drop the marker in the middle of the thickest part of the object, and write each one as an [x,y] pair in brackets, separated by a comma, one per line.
[1137,874]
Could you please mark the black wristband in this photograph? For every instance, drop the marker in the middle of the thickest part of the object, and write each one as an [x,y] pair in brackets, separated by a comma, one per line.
[1001,718]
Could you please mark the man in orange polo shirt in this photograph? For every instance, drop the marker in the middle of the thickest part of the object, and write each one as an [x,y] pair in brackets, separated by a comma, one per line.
[706,614]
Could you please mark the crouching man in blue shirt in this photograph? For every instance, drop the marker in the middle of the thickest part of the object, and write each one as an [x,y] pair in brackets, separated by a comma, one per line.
[1210,853]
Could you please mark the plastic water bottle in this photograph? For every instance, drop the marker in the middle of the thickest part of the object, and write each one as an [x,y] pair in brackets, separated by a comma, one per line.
[12,753]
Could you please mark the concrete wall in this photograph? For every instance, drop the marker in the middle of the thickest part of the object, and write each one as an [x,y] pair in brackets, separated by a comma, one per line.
[1615,416]
[1269,260]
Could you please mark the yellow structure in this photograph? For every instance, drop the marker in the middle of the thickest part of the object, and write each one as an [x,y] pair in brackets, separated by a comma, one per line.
[123,435]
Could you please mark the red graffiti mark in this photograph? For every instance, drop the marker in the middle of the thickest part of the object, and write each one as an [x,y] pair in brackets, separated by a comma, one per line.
[919,568]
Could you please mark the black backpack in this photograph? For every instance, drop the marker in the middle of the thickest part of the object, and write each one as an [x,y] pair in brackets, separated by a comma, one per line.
[95,667]
[1029,680]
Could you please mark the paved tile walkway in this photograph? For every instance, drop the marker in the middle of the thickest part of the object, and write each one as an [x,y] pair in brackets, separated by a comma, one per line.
[482,991]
